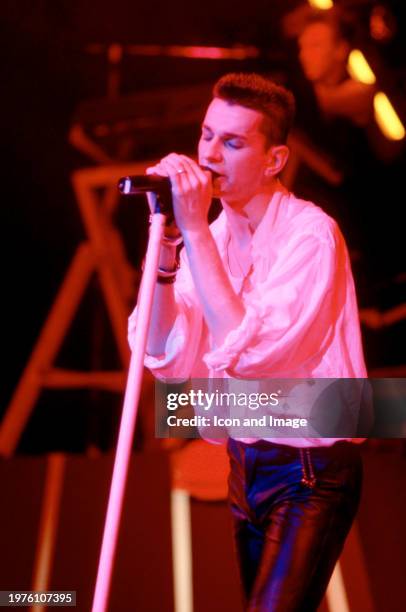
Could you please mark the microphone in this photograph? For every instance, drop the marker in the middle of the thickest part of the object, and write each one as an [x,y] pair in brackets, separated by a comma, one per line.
[131,185]
[160,185]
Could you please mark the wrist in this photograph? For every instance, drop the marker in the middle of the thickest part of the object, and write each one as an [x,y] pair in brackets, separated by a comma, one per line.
[167,257]
[196,235]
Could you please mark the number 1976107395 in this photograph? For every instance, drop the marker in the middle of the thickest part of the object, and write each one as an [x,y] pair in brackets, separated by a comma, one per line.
[18,598]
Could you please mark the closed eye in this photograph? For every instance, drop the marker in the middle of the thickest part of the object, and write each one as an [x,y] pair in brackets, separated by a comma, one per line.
[234,144]
[230,141]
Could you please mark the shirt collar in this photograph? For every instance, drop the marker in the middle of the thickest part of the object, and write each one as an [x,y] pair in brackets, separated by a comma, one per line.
[261,236]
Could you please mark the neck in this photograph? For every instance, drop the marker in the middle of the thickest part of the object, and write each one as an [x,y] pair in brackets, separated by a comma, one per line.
[243,218]
[334,77]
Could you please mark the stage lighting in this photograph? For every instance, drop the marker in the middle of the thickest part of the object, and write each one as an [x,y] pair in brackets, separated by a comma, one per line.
[321,4]
[387,118]
[359,68]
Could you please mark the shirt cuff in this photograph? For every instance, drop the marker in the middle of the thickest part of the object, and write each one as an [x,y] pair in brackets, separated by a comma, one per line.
[175,342]
[235,342]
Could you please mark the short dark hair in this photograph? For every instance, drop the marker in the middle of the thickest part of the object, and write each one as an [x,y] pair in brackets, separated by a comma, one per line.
[255,91]
[342,28]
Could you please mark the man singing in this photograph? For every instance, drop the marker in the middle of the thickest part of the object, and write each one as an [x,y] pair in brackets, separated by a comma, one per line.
[265,291]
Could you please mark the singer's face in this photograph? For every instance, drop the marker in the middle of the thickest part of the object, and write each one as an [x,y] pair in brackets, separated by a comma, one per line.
[233,146]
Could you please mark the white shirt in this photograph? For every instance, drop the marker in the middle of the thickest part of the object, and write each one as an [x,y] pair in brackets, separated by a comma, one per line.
[301,316]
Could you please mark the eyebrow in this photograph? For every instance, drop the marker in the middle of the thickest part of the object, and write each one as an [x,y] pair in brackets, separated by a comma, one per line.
[226,134]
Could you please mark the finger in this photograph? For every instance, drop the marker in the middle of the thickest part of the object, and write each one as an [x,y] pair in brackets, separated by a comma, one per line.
[157,169]
[196,176]
[202,176]
[194,169]
[179,164]
[173,164]
[151,170]
[177,173]
[173,158]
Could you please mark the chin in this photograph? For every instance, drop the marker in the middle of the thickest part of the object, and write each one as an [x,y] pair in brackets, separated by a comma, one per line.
[219,190]
[217,193]
[311,75]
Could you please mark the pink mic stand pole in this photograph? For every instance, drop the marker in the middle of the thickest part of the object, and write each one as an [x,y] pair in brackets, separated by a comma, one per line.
[128,418]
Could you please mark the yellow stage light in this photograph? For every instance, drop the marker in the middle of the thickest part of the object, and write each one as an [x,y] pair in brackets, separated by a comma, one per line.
[387,118]
[359,68]
[321,4]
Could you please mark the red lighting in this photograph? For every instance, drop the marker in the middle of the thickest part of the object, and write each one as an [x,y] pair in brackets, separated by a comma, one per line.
[216,53]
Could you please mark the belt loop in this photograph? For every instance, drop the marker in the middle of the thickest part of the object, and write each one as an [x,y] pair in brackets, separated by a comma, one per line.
[308,477]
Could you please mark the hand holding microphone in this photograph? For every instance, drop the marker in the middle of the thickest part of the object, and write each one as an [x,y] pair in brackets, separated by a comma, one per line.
[180,185]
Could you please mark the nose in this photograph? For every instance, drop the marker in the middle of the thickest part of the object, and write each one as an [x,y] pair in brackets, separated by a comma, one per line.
[212,150]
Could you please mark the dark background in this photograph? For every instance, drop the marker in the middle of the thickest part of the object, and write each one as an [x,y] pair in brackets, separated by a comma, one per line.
[47,71]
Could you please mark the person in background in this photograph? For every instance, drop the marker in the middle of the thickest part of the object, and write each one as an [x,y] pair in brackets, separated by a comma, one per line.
[323,55]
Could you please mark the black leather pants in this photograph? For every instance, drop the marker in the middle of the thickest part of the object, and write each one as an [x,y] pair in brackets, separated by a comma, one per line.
[290,528]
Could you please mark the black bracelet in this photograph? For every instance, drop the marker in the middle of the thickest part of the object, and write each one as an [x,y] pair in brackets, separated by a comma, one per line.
[167,277]
[166,280]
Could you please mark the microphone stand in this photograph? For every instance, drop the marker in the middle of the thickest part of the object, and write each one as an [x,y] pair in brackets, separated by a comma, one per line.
[129,415]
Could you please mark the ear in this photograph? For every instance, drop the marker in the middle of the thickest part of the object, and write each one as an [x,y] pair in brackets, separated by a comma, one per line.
[278,157]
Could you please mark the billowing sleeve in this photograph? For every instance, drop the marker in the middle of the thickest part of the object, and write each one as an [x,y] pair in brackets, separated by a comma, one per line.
[183,340]
[291,317]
